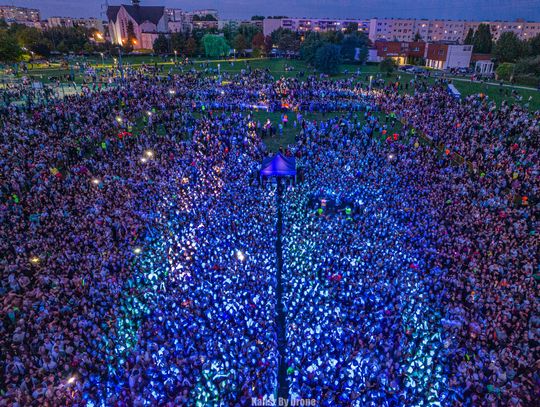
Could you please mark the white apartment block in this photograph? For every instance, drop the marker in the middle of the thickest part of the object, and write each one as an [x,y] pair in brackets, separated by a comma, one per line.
[312,24]
[405,29]
[444,30]
[13,14]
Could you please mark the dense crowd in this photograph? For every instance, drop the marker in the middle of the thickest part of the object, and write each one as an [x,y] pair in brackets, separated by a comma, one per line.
[139,252]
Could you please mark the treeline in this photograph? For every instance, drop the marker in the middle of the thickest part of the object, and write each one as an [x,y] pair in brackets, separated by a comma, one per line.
[518,60]
[324,51]
[214,43]
[18,40]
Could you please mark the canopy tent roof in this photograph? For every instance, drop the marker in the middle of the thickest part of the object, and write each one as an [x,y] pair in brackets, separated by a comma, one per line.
[453,91]
[278,166]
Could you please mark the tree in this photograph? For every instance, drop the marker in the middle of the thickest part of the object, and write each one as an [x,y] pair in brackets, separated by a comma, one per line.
[43,47]
[334,37]
[482,39]
[191,47]
[131,37]
[508,48]
[10,51]
[215,46]
[533,46]
[351,28]
[258,43]
[240,44]
[528,66]
[257,18]
[161,45]
[469,37]
[248,31]
[328,59]
[178,42]
[387,65]
[286,40]
[268,45]
[67,39]
[505,71]
[229,32]
[308,49]
[353,42]
[289,42]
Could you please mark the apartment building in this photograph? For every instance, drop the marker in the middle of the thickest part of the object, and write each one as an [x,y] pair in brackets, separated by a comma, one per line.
[22,15]
[446,56]
[406,29]
[312,24]
[444,30]
[402,52]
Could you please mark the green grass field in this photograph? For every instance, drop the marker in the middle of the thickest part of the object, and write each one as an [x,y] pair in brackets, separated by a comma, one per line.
[282,68]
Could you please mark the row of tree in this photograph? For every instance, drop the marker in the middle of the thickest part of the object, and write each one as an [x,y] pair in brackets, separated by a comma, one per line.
[214,43]
[508,48]
[18,39]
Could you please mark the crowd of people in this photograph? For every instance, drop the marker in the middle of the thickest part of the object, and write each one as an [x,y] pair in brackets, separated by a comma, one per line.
[139,252]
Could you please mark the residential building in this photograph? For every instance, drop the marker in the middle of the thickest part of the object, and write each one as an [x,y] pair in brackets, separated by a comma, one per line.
[22,15]
[401,52]
[448,56]
[406,29]
[312,24]
[203,19]
[177,20]
[238,23]
[444,30]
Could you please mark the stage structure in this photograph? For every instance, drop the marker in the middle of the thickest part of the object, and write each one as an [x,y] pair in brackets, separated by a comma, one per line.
[278,166]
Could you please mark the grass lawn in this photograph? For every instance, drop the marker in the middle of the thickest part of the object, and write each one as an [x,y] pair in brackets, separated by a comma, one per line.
[277,68]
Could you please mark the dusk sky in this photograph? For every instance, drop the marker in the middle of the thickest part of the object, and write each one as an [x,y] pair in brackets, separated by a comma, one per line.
[448,9]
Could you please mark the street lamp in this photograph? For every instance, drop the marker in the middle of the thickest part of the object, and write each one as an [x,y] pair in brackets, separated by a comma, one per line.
[175,57]
[102,59]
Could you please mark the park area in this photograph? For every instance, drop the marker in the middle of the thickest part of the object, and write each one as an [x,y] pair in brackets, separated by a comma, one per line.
[155,252]
[69,78]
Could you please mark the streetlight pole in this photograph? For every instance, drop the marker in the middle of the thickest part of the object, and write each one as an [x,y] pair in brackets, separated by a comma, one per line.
[175,57]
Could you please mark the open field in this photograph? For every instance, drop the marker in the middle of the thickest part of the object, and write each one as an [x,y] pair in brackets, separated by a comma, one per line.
[282,68]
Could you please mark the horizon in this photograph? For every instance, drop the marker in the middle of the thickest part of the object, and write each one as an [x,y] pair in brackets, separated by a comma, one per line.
[479,10]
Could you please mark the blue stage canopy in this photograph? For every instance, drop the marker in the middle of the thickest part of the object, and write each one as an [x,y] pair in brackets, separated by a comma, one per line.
[279,166]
